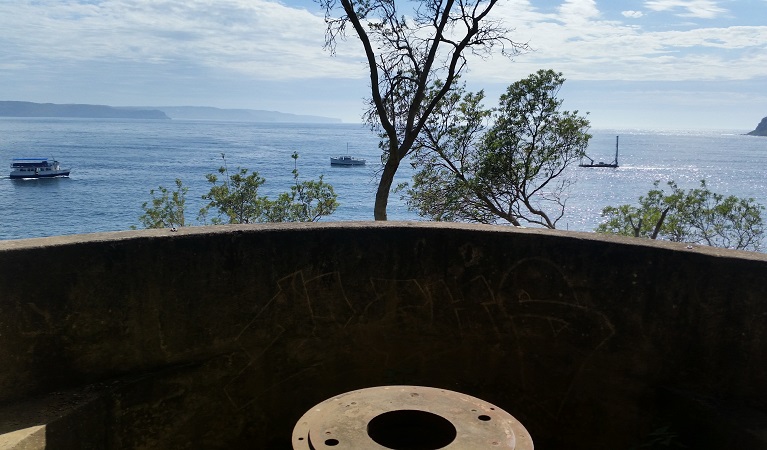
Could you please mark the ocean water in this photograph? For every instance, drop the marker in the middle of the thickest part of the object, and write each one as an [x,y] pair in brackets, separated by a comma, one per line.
[116,162]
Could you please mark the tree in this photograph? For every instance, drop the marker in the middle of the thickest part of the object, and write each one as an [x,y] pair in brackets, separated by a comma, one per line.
[697,216]
[235,199]
[407,55]
[167,210]
[307,201]
[504,164]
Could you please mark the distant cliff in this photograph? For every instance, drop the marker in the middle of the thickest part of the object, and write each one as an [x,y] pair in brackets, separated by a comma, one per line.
[29,109]
[761,129]
[239,115]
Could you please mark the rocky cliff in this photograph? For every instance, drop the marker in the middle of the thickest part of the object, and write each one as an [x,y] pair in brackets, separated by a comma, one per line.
[29,109]
[761,129]
[239,115]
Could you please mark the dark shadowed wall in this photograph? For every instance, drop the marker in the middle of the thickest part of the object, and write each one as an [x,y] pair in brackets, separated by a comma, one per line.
[222,337]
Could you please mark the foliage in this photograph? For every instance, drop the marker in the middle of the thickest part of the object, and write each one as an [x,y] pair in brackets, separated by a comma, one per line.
[696,216]
[234,198]
[482,165]
[307,201]
[167,210]
[408,54]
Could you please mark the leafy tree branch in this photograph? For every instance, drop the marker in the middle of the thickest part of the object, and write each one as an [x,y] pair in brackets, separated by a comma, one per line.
[408,56]
[234,198]
[503,164]
[697,216]
[167,207]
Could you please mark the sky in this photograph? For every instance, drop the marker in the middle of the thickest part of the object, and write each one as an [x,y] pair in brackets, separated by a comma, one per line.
[646,64]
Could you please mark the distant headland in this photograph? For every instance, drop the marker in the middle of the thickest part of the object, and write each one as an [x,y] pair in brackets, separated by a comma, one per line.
[30,109]
[239,115]
[761,129]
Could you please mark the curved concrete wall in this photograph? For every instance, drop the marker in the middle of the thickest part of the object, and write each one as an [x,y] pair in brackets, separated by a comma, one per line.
[224,336]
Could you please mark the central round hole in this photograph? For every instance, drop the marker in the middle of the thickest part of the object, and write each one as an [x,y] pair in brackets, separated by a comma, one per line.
[411,430]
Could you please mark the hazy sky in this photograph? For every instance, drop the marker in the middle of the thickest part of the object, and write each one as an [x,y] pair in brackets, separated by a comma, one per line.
[629,63]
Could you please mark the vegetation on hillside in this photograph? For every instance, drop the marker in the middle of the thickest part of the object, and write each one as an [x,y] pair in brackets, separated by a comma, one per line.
[697,216]
[503,164]
[408,52]
[234,198]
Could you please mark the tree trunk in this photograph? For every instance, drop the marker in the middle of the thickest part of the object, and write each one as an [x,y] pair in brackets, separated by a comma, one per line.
[660,223]
[384,187]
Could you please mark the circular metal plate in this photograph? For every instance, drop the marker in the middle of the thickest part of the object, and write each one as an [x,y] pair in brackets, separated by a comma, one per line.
[344,422]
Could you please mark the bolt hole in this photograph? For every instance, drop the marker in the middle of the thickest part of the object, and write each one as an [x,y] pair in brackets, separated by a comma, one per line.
[484,418]
[331,442]
[411,430]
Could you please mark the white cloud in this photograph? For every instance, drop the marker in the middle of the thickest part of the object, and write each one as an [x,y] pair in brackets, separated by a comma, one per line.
[703,9]
[599,49]
[578,11]
[632,14]
[270,41]
[263,39]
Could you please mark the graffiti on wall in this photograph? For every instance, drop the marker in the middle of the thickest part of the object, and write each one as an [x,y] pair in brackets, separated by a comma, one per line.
[529,327]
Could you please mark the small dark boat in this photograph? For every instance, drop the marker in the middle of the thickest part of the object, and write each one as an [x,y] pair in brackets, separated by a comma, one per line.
[345,160]
[612,165]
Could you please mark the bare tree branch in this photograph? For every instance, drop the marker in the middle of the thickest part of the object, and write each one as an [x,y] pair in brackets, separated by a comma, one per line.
[406,55]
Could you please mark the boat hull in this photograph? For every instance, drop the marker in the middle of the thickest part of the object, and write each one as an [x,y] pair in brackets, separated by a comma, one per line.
[347,161]
[26,175]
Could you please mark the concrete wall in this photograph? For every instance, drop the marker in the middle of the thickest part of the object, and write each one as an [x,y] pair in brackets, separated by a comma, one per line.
[222,337]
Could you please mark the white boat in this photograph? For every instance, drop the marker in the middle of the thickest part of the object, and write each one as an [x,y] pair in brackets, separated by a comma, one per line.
[37,168]
[346,160]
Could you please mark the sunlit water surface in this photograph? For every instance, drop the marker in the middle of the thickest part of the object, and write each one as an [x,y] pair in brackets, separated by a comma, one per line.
[116,162]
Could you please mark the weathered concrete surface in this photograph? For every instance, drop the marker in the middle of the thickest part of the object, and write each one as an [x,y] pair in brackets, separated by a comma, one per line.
[223,337]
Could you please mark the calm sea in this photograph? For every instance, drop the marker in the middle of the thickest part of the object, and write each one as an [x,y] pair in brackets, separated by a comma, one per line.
[116,162]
